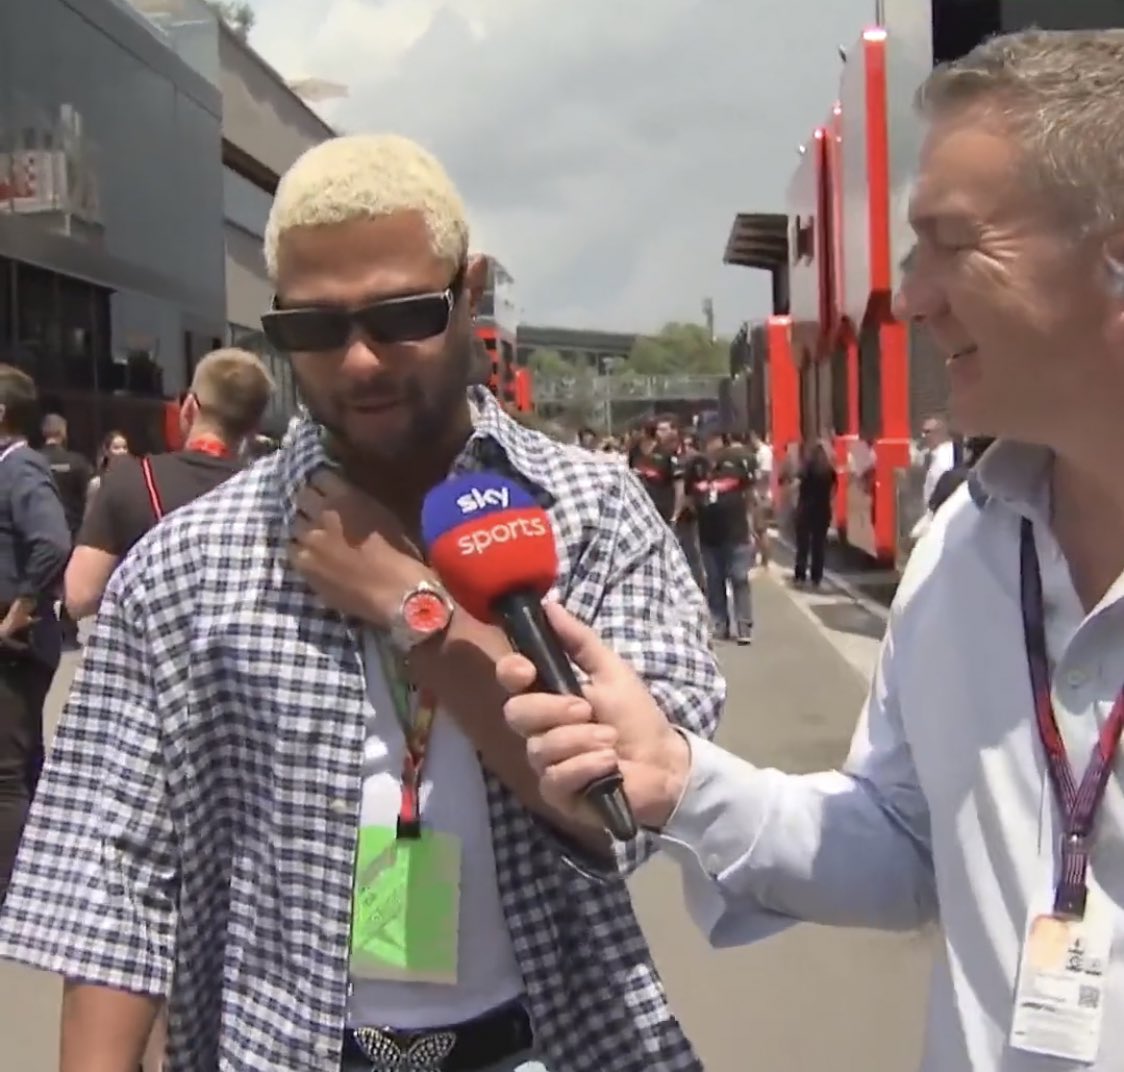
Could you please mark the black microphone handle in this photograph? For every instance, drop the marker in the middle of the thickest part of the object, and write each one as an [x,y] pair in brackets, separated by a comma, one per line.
[523,620]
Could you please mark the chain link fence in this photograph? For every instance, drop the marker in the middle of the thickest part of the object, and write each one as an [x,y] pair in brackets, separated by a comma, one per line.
[601,389]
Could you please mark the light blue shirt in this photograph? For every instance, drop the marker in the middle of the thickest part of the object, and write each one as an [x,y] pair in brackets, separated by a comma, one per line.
[943,810]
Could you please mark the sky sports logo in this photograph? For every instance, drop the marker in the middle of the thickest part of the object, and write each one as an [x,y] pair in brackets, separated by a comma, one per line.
[483,499]
[519,528]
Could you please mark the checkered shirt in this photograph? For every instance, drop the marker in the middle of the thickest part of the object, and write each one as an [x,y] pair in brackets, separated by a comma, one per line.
[194,832]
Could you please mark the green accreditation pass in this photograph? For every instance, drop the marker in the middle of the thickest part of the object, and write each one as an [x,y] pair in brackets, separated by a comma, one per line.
[406,906]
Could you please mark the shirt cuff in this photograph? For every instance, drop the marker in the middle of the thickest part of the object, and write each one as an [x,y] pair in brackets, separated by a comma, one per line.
[725,806]
[576,859]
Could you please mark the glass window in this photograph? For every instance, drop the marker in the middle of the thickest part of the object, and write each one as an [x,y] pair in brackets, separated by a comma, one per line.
[870,384]
[245,204]
[30,134]
[101,341]
[76,332]
[190,29]
[37,339]
[6,324]
[133,163]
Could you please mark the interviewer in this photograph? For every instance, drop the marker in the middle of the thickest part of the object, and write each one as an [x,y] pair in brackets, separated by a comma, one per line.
[982,788]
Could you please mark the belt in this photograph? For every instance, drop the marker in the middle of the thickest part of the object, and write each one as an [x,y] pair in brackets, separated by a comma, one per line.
[489,1039]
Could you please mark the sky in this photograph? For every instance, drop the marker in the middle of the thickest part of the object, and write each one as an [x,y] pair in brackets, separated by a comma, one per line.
[602,147]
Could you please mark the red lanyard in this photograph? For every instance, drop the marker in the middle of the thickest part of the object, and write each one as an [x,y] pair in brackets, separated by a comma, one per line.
[1078,802]
[415,710]
[209,444]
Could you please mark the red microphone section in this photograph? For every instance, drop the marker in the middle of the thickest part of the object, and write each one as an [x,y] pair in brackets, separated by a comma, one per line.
[492,546]
[486,538]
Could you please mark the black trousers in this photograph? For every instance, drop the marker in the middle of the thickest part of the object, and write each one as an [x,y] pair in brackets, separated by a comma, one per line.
[811,543]
[24,683]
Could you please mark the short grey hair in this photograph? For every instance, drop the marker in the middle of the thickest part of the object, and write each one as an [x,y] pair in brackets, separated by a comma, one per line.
[1061,94]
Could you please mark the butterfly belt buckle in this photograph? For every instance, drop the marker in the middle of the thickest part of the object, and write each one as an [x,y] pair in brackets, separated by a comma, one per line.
[423,1053]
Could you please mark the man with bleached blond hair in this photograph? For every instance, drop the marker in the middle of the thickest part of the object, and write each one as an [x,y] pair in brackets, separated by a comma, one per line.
[282,799]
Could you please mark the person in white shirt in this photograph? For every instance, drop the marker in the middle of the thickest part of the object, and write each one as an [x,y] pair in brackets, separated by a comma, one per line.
[939,454]
[936,457]
[982,790]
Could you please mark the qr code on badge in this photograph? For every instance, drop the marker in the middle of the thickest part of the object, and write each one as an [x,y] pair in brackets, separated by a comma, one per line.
[1088,997]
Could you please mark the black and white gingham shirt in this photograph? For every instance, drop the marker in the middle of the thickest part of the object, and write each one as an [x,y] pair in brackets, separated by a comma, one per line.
[196,826]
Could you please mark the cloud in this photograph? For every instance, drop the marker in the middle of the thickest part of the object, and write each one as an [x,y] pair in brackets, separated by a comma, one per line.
[603,148]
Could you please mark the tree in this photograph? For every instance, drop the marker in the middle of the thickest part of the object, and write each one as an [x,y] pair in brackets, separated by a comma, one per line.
[581,407]
[676,350]
[533,421]
[550,364]
[238,15]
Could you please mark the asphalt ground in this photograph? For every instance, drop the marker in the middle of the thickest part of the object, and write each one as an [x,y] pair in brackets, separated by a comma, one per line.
[810,999]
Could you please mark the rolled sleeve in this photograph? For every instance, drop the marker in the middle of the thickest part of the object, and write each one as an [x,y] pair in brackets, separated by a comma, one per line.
[650,611]
[93,896]
[726,804]
[760,848]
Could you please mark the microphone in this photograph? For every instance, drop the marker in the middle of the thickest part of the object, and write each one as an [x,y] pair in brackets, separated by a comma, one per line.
[493,548]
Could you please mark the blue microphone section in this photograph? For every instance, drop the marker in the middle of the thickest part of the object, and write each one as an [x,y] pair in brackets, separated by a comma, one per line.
[469,497]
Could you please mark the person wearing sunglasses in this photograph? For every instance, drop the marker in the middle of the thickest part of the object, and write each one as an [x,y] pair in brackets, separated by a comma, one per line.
[282,799]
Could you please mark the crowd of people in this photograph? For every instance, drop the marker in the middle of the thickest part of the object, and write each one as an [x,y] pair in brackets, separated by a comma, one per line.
[308,810]
[713,488]
[67,523]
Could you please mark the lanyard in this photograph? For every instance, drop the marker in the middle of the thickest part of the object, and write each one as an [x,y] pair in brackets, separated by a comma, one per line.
[209,444]
[415,710]
[11,446]
[1078,802]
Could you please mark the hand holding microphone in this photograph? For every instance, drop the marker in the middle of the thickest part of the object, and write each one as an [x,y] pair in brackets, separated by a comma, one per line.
[567,749]
[492,546]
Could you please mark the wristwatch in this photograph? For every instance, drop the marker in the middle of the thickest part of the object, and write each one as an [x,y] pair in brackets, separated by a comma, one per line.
[425,612]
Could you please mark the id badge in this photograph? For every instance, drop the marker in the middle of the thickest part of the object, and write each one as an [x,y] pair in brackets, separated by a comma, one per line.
[1059,1001]
[406,907]
[712,496]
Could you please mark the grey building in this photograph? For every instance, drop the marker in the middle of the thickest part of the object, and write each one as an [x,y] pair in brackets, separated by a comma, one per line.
[140,146]
[265,127]
[111,207]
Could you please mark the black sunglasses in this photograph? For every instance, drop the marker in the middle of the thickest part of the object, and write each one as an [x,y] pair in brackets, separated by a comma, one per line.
[394,320]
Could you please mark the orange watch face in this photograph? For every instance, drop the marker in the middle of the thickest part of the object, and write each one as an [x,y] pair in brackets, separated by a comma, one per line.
[425,612]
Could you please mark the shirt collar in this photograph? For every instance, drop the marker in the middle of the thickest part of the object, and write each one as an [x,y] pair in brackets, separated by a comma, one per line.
[1017,474]
[497,442]
[531,454]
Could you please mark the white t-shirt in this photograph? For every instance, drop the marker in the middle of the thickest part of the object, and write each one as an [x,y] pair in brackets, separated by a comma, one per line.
[764,459]
[453,800]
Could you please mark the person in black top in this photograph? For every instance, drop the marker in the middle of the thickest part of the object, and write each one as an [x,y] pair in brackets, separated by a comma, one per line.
[72,474]
[686,523]
[719,483]
[34,544]
[71,471]
[817,480]
[657,458]
[952,478]
[229,394]
[655,461]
